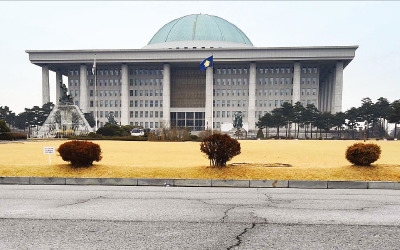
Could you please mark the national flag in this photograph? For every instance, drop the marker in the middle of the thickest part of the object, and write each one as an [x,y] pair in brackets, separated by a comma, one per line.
[208,62]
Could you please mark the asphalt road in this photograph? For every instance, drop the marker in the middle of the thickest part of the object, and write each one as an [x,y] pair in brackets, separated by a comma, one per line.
[110,217]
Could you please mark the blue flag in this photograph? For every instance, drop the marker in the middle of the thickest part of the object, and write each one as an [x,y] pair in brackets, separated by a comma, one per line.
[208,62]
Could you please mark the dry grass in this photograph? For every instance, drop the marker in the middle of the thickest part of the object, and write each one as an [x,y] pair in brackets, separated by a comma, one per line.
[275,159]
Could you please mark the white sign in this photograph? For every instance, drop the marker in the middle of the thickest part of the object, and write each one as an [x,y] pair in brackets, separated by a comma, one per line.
[49,150]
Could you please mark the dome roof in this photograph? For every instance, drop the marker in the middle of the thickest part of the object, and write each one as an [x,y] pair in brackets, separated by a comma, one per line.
[199,30]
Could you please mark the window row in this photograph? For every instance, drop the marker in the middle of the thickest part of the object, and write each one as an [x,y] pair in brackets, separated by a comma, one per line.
[106,72]
[146,114]
[309,91]
[106,103]
[309,70]
[229,71]
[309,81]
[105,92]
[230,92]
[145,82]
[274,92]
[145,71]
[275,70]
[229,103]
[276,81]
[145,103]
[146,92]
[107,82]
[234,81]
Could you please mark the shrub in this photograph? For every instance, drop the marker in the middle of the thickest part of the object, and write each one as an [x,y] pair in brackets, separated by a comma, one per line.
[80,153]
[3,127]
[11,136]
[361,154]
[110,130]
[219,149]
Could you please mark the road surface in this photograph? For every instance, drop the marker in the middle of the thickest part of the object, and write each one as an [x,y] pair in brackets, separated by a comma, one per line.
[110,217]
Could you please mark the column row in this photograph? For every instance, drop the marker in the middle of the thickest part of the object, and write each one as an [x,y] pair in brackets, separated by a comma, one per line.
[329,96]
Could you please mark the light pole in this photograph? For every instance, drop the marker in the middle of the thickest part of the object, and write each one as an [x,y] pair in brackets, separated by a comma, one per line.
[365,129]
[95,92]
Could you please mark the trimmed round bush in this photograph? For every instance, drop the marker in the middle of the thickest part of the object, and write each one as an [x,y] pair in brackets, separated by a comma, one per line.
[361,154]
[80,153]
[220,148]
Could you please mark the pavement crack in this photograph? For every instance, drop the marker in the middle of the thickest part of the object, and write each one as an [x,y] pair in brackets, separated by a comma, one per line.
[226,213]
[239,236]
[80,202]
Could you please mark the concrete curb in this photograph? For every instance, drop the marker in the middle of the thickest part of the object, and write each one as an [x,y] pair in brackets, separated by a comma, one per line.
[202,183]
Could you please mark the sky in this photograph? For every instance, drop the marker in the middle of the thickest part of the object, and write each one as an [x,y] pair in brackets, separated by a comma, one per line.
[70,25]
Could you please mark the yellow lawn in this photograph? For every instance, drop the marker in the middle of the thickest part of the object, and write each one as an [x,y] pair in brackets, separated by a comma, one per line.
[267,160]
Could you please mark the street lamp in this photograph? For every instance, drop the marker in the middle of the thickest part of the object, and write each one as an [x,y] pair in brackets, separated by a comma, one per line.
[365,129]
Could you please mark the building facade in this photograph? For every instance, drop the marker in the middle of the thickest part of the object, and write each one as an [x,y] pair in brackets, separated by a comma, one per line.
[161,85]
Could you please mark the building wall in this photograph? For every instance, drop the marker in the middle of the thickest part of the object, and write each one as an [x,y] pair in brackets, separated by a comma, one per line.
[274,86]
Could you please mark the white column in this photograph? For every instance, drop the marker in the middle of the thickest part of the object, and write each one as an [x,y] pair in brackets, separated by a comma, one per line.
[337,95]
[83,89]
[322,98]
[251,116]
[296,83]
[326,94]
[45,85]
[209,119]
[124,95]
[58,86]
[329,93]
[166,95]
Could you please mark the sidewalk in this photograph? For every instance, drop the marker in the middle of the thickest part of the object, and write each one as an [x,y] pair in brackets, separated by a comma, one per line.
[202,183]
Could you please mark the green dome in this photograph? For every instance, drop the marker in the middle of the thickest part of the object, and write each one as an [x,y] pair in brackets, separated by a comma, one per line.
[199,27]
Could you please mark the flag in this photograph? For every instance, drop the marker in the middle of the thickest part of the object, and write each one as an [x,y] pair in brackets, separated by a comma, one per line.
[94,65]
[208,62]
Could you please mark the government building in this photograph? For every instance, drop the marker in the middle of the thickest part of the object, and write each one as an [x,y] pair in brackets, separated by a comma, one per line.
[161,84]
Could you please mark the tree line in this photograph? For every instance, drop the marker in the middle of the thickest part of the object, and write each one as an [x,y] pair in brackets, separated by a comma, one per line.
[374,116]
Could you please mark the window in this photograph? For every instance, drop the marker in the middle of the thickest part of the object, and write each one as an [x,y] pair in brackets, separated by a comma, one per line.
[131,92]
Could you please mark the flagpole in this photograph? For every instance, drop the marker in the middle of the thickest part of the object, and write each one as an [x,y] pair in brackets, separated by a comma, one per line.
[212,96]
[95,93]
[212,102]
[207,65]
